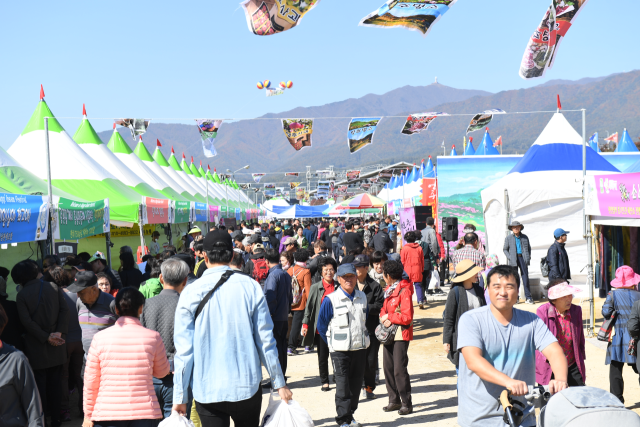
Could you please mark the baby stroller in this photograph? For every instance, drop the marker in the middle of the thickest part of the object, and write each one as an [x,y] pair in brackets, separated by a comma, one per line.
[572,407]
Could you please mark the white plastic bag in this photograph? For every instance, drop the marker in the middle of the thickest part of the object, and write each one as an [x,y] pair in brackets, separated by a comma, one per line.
[281,414]
[434,283]
[176,420]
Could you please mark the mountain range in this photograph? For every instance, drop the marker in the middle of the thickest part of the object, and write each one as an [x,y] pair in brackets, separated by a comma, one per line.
[612,103]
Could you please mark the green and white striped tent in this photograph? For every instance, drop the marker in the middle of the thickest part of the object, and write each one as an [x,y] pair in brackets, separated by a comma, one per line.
[190,177]
[72,170]
[90,142]
[173,173]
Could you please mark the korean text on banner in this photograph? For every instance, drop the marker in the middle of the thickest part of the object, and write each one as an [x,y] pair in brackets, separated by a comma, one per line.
[298,132]
[360,132]
[416,15]
[430,195]
[77,220]
[614,195]
[182,211]
[214,214]
[199,212]
[407,222]
[155,211]
[23,218]
[267,17]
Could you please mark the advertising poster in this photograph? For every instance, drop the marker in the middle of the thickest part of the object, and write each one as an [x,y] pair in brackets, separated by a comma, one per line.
[430,195]
[77,220]
[208,129]
[543,45]
[353,175]
[199,212]
[415,15]
[360,133]
[182,211]
[482,120]
[298,133]
[23,218]
[267,17]
[614,195]
[155,211]
[416,123]
[214,214]
[407,221]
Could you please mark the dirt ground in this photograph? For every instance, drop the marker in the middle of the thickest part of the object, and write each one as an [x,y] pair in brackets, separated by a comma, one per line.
[433,379]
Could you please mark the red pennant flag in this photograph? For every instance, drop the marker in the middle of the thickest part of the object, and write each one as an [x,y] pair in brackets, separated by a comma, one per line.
[470,139]
[454,146]
[41,93]
[612,138]
[172,152]
[191,159]
[559,104]
[140,138]
[84,110]
[498,141]
[114,126]
[183,157]
[158,144]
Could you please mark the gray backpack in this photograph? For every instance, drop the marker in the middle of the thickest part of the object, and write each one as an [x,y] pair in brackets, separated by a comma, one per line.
[586,407]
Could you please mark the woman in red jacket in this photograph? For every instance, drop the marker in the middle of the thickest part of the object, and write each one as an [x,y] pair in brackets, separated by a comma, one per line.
[412,259]
[397,310]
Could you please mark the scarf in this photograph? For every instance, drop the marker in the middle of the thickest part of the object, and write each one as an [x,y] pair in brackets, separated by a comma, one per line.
[390,289]
[301,264]
[285,267]
[328,289]
[375,276]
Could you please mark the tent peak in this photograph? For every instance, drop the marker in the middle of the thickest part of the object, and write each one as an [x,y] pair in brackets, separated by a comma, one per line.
[84,111]
[158,144]
[41,93]
[114,127]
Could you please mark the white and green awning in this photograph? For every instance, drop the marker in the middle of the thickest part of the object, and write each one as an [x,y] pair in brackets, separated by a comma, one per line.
[72,170]
[175,175]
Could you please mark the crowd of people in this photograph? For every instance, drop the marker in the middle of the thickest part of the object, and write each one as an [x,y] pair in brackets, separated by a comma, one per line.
[189,331]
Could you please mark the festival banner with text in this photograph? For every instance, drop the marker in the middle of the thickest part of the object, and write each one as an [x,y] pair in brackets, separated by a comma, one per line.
[77,220]
[614,195]
[23,218]
[155,211]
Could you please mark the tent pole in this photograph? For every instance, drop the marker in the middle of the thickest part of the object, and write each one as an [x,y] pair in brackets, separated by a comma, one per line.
[141,229]
[49,245]
[586,227]
[207,184]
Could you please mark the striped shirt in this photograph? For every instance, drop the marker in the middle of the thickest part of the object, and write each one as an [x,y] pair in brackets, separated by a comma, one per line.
[470,253]
[99,316]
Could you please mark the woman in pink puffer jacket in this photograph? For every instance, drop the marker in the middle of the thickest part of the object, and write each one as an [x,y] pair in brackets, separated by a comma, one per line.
[122,361]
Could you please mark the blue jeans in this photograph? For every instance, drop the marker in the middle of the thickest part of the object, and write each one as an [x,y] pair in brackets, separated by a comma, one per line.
[419,292]
[164,392]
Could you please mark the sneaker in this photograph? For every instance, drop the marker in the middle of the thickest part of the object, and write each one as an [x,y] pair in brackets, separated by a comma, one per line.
[291,352]
[421,306]
[369,393]
[530,301]
[430,292]
[354,423]
[307,350]
[438,291]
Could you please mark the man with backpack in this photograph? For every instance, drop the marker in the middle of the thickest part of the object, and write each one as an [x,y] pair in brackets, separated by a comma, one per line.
[557,257]
[279,296]
[257,267]
[300,284]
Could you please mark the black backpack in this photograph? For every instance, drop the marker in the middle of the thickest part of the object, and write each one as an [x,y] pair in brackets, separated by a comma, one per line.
[544,267]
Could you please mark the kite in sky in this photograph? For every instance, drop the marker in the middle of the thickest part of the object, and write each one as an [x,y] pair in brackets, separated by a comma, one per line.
[416,15]
[266,17]
[481,120]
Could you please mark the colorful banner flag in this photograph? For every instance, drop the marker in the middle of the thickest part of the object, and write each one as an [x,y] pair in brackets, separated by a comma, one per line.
[181,212]
[430,195]
[360,133]
[77,220]
[353,175]
[298,132]
[208,129]
[407,221]
[612,138]
[292,174]
[136,126]
[483,119]
[267,17]
[300,193]
[23,218]
[155,211]
[543,45]
[416,123]
[415,15]
[199,212]
[293,185]
[365,186]
[270,193]
[498,141]
[245,186]
[257,177]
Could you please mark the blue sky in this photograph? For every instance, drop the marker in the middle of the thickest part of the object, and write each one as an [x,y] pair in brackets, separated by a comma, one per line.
[172,61]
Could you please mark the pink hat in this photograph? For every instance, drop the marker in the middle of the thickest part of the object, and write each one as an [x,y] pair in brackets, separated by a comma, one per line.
[625,276]
[562,290]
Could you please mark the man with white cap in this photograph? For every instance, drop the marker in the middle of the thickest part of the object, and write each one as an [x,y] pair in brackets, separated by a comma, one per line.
[342,325]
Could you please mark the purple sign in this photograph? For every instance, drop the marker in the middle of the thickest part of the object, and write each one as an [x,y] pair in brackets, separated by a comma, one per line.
[616,195]
[214,214]
[407,222]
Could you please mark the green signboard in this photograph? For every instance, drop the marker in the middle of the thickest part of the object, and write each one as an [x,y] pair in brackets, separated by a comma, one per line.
[182,210]
[77,220]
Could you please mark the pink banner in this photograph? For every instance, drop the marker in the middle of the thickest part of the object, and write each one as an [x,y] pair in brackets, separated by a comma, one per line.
[214,214]
[407,222]
[616,195]
[155,211]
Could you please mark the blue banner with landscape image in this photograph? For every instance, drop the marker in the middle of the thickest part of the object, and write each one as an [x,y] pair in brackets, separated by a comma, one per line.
[23,218]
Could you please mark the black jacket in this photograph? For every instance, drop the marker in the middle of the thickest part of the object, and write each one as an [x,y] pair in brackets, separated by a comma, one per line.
[351,241]
[326,238]
[20,404]
[558,261]
[14,330]
[382,242]
[375,300]
[313,265]
[314,233]
[131,278]
[452,314]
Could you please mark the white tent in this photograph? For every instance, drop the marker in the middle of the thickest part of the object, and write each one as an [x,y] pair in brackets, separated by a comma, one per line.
[544,192]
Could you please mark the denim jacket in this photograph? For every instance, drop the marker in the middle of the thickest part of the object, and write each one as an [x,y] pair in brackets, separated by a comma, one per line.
[225,347]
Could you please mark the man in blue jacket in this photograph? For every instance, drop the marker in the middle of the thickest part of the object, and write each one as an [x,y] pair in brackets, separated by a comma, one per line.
[278,293]
[557,257]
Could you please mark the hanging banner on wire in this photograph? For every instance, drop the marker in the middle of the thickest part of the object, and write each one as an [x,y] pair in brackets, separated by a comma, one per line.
[155,211]
[267,17]
[77,220]
[136,126]
[543,45]
[245,186]
[415,15]
[23,218]
[181,212]
[353,175]
[208,132]
[299,193]
[298,132]
[416,123]
[293,185]
[292,174]
[257,177]
[482,120]
[269,186]
[270,193]
[199,212]
[325,173]
[360,133]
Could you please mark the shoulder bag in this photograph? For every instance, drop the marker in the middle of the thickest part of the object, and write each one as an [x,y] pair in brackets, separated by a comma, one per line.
[386,335]
[604,334]
[207,297]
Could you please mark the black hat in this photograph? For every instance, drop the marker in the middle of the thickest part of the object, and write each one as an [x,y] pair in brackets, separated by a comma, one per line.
[84,280]
[255,238]
[361,261]
[213,239]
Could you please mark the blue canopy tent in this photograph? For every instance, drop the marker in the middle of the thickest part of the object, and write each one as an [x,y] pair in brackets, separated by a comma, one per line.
[470,151]
[486,147]
[453,151]
[297,211]
[626,145]
[593,142]
[428,171]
